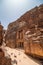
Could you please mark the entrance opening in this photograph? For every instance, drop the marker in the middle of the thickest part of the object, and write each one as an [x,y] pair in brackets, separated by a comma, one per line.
[21,45]
[1,42]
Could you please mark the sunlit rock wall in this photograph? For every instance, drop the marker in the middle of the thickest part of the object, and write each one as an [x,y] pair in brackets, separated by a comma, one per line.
[33,43]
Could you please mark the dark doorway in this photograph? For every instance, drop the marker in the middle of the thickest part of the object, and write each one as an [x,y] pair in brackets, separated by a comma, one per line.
[21,45]
[1,42]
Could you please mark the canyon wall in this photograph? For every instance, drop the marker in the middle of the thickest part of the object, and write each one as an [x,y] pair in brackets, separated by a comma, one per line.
[32,24]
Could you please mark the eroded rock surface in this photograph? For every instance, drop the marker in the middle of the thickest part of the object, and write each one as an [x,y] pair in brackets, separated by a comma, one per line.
[3,59]
[33,41]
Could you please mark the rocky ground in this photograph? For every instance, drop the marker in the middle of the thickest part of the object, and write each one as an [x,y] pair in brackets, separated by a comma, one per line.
[18,57]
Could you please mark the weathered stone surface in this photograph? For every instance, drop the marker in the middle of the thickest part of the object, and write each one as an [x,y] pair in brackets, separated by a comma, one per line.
[34,44]
[31,21]
[1,34]
[3,59]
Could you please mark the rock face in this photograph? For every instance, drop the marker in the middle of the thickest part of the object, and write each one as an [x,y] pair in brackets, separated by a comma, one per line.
[31,23]
[3,59]
[1,34]
[34,44]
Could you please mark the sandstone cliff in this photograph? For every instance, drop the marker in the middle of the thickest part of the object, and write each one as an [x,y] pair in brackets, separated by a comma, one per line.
[3,59]
[33,19]
[33,16]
